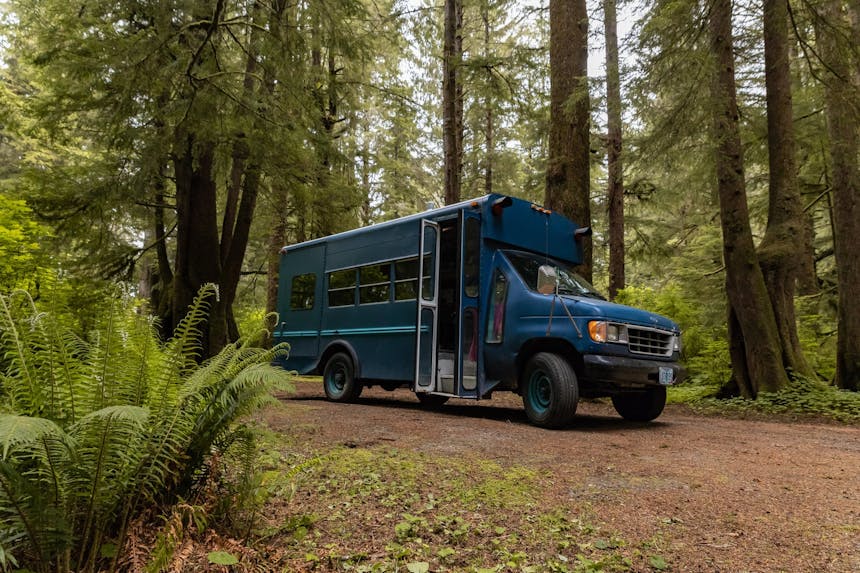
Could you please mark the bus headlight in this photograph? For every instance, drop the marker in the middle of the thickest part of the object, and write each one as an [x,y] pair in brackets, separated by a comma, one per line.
[602,331]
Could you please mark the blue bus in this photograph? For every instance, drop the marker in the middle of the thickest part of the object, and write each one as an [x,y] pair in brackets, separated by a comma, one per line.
[468,300]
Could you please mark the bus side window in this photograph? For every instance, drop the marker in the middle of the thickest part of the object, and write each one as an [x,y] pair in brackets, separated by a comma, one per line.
[374,283]
[406,279]
[496,314]
[341,288]
[302,291]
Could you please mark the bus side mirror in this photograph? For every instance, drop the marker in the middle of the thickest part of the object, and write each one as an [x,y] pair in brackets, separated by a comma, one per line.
[547,279]
[500,205]
[581,233]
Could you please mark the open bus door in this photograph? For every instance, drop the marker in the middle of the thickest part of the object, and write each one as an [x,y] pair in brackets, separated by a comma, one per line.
[428,302]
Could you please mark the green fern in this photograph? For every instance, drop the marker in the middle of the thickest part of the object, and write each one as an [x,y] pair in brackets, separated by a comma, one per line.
[102,427]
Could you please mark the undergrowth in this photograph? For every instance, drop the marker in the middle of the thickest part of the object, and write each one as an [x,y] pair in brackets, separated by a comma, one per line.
[386,510]
[99,432]
[802,398]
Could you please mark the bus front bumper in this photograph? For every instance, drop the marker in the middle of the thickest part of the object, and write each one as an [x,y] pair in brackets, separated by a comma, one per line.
[624,372]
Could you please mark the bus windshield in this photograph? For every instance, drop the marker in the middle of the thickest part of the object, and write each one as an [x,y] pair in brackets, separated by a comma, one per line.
[569,283]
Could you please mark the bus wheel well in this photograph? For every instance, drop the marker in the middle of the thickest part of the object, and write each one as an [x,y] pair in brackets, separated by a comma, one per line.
[335,347]
[552,345]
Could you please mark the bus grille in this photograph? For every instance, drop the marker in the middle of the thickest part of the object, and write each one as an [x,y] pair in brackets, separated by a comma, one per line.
[651,342]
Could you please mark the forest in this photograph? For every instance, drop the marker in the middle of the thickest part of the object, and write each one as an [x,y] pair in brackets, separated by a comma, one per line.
[155,156]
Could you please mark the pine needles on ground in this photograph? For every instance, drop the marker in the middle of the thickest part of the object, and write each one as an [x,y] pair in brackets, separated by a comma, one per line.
[96,430]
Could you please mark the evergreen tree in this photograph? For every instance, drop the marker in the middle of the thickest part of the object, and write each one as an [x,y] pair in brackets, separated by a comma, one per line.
[753,337]
[568,179]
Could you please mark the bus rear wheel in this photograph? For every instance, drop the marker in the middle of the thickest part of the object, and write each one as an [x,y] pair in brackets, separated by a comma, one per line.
[339,379]
[550,390]
[641,406]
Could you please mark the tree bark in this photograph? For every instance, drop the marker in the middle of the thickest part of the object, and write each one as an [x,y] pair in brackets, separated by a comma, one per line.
[757,362]
[197,245]
[843,117]
[162,292]
[452,104]
[277,240]
[245,173]
[568,177]
[785,238]
[489,149]
[615,179]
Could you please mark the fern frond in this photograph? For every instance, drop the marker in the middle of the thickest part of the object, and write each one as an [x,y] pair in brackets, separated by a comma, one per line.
[20,380]
[59,360]
[34,472]
[109,448]
[185,342]
[33,523]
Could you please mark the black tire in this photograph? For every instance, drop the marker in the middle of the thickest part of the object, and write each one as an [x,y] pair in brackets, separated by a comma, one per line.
[550,390]
[339,379]
[431,400]
[641,406]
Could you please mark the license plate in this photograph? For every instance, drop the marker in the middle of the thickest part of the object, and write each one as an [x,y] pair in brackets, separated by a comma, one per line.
[667,376]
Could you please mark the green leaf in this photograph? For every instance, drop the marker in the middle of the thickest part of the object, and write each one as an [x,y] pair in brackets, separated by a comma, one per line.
[418,567]
[657,562]
[15,430]
[221,558]
[446,552]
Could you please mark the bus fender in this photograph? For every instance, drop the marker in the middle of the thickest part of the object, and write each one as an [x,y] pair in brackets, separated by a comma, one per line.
[340,346]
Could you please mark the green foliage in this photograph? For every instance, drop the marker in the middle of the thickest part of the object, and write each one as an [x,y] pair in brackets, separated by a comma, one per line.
[801,397]
[18,243]
[705,349]
[445,512]
[222,558]
[680,304]
[95,430]
[816,328]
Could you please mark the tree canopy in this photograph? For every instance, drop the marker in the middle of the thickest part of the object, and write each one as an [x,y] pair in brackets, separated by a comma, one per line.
[171,144]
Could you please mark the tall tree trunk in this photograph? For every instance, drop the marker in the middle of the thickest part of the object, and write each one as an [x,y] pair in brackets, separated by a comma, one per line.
[235,245]
[161,296]
[807,278]
[568,177]
[277,240]
[197,245]
[452,100]
[615,180]
[489,149]
[842,99]
[232,269]
[162,292]
[785,238]
[759,364]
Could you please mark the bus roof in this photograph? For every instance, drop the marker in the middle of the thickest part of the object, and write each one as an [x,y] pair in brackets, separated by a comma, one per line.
[516,223]
[428,214]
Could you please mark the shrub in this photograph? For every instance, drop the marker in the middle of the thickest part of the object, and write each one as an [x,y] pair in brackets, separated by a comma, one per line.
[801,397]
[94,432]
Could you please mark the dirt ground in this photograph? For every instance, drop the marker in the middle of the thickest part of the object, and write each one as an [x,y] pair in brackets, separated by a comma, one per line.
[723,494]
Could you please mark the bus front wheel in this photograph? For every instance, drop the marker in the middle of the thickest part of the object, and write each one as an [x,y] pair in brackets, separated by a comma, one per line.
[550,390]
[339,379]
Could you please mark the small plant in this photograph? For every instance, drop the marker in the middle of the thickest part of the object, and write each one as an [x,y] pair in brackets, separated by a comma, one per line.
[802,397]
[96,431]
